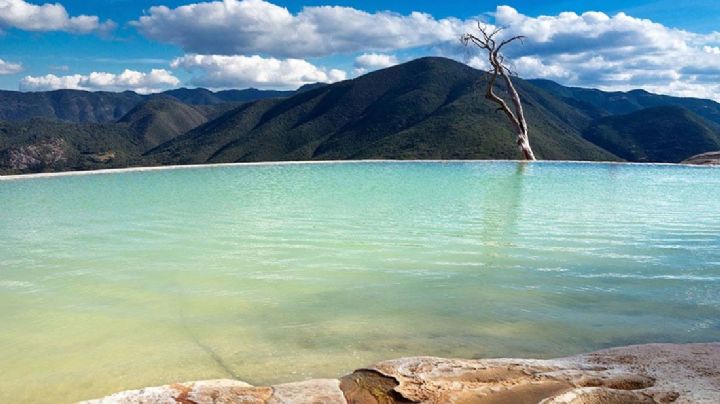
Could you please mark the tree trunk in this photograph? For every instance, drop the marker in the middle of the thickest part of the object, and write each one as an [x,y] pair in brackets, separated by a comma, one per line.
[524,146]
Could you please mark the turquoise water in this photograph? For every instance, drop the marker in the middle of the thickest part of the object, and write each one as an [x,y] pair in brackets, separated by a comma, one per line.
[276,273]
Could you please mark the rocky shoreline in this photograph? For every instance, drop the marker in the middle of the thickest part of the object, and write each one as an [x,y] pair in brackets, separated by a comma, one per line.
[654,373]
[707,159]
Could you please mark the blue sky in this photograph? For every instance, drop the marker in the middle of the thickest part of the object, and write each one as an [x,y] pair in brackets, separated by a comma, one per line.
[664,46]
[695,15]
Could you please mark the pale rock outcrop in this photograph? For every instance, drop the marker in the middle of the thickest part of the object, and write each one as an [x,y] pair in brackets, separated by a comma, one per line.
[709,158]
[655,373]
[38,156]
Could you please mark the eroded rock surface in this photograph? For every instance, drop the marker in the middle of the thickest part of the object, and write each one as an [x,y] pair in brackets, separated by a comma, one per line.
[37,156]
[709,158]
[655,373]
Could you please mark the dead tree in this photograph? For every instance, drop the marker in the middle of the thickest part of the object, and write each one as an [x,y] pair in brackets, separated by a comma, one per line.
[487,41]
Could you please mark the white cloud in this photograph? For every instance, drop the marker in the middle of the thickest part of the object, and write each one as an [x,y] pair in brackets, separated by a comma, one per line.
[154,81]
[532,66]
[591,49]
[233,27]
[219,71]
[617,52]
[373,61]
[9,68]
[48,17]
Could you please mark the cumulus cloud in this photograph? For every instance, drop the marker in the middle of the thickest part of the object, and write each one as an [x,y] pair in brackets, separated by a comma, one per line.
[373,61]
[232,27]
[237,71]
[617,52]
[9,68]
[48,17]
[154,81]
[592,49]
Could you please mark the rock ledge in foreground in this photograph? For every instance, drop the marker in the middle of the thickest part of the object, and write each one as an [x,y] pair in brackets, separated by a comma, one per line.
[655,373]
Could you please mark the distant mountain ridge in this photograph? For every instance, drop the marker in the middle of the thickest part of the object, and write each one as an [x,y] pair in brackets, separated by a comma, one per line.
[102,107]
[429,108]
[599,103]
[67,105]
[201,96]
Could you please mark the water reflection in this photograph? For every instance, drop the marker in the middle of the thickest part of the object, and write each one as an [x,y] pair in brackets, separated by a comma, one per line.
[502,201]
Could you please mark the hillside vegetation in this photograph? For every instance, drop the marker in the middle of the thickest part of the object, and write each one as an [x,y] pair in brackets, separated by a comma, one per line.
[429,108]
[665,134]
[39,145]
[161,119]
[426,109]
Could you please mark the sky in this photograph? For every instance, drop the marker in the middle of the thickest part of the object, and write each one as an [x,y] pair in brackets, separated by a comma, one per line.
[667,47]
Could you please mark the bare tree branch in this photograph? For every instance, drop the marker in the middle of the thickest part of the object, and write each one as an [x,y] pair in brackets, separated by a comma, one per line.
[507,41]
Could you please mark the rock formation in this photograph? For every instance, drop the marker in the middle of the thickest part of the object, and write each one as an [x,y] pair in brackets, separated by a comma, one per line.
[709,158]
[656,373]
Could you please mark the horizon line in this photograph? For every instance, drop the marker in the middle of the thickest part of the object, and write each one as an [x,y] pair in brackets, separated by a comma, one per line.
[77,173]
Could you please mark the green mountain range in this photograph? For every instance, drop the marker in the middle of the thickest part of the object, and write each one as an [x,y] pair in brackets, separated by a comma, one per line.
[666,134]
[429,108]
[159,120]
[596,103]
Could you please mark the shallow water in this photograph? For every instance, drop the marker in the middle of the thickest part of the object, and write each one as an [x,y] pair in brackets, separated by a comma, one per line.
[275,273]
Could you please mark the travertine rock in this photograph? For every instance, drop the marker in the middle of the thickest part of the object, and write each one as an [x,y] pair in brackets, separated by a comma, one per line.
[656,373]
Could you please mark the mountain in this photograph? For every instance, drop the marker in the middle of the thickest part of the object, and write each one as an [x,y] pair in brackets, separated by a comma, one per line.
[39,145]
[102,107]
[596,103]
[160,119]
[658,134]
[425,109]
[429,108]
[67,105]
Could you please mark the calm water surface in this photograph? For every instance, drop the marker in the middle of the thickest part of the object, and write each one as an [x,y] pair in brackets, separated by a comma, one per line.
[286,272]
